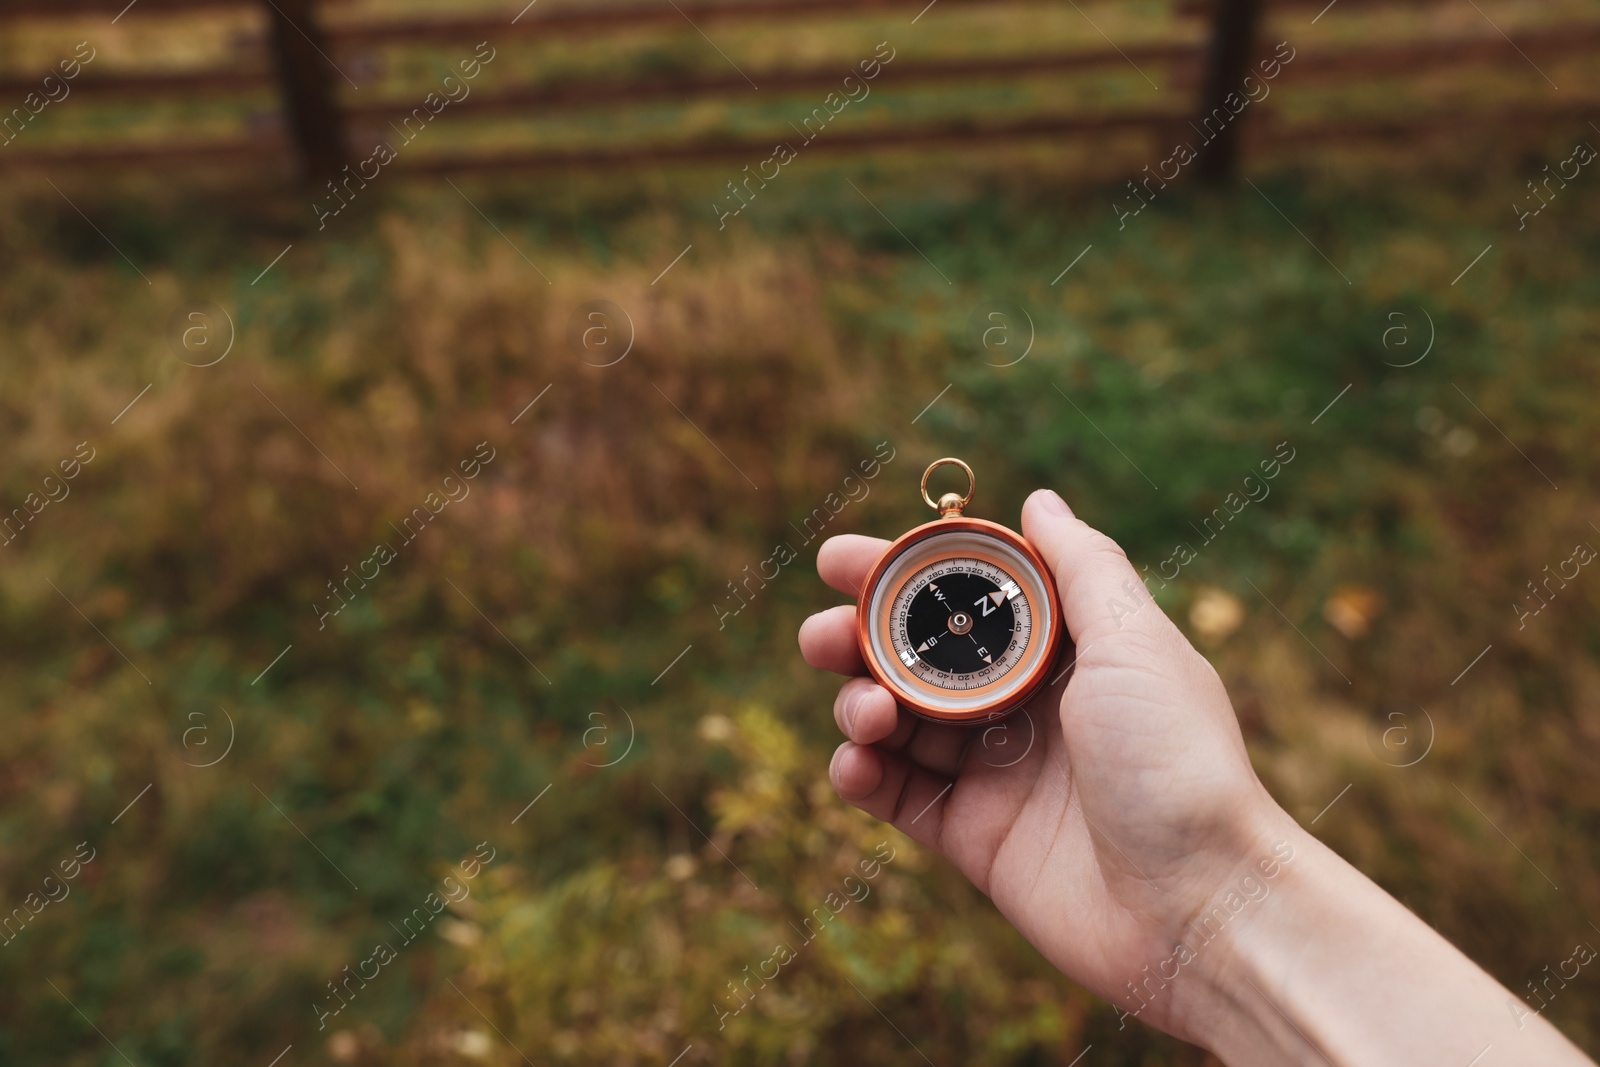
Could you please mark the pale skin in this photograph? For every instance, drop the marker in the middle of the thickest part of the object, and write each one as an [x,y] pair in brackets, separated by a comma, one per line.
[1135,816]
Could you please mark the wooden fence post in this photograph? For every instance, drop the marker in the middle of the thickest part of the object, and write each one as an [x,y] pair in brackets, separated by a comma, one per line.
[1233,34]
[306,75]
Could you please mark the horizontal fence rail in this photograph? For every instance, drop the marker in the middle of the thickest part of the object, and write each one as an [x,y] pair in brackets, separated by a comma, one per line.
[288,73]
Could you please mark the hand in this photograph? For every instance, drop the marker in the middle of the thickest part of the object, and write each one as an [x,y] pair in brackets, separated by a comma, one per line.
[1134,803]
[1135,848]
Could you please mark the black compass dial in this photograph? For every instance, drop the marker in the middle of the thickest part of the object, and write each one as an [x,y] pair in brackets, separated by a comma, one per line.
[961,622]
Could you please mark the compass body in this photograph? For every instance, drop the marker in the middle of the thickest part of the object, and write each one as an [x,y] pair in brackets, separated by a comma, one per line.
[959,618]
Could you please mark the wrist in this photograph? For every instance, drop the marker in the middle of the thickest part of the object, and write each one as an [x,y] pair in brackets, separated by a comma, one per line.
[1294,889]
[1326,968]
[1229,943]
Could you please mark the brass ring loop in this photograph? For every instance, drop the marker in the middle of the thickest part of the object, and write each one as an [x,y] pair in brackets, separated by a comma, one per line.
[972,486]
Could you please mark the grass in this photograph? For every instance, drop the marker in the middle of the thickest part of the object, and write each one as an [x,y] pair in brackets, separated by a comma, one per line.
[520,641]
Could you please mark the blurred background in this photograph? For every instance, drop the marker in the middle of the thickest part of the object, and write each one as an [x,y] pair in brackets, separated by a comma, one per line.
[531,298]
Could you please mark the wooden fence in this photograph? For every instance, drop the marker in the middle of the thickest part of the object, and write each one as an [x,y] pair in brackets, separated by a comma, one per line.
[296,59]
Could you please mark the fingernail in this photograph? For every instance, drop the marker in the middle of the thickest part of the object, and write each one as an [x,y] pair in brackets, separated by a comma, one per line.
[1054,503]
[850,717]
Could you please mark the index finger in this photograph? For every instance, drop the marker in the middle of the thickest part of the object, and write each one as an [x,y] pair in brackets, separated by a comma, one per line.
[843,561]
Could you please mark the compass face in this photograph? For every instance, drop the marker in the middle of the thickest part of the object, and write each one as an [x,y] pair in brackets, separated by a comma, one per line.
[960,621]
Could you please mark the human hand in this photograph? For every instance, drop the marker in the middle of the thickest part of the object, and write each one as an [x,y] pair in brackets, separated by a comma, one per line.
[1129,840]
[1135,799]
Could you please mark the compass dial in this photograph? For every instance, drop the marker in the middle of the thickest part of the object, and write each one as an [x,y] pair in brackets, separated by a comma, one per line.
[960,623]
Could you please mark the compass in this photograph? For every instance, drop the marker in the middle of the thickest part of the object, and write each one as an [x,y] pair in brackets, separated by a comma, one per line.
[959,617]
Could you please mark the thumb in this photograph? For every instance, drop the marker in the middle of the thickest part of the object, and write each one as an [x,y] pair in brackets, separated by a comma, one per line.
[1101,593]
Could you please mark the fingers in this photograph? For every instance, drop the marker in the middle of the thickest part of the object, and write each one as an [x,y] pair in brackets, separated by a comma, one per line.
[828,640]
[892,789]
[1100,591]
[865,711]
[868,715]
[934,746]
[843,561]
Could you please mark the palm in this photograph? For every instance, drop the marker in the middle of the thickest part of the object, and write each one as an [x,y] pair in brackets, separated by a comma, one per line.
[1088,816]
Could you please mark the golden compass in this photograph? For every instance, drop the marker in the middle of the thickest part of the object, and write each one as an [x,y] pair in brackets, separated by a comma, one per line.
[959,618]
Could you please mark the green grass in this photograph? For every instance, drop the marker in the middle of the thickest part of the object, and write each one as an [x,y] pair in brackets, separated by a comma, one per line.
[598,540]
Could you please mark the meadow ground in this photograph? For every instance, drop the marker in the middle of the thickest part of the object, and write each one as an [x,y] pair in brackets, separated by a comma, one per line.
[516,646]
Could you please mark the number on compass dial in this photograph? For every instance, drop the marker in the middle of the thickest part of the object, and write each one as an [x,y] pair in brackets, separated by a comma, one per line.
[961,623]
